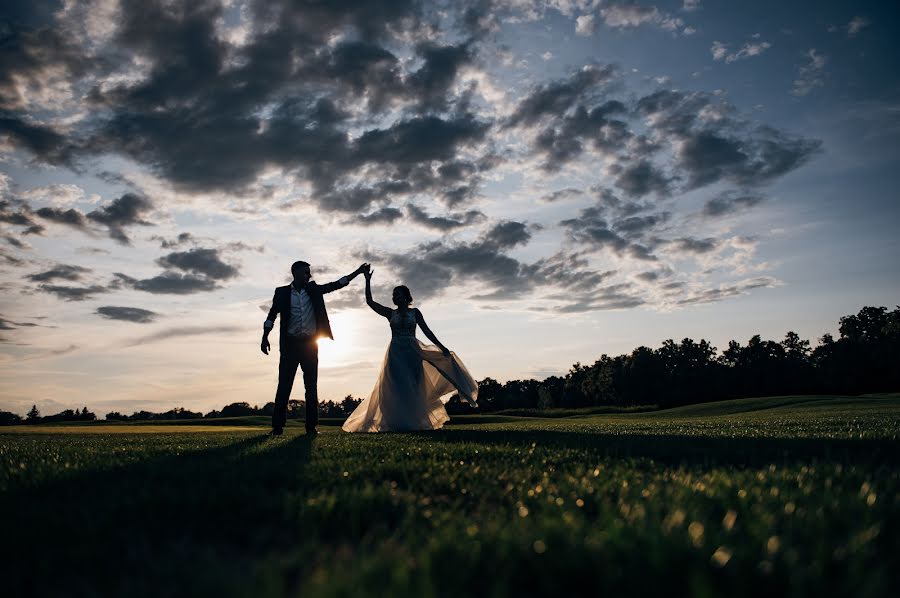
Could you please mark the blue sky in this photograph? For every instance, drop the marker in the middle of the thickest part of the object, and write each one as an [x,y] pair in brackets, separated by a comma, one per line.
[553,181]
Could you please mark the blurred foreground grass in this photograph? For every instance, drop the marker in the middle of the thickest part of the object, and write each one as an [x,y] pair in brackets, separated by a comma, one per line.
[782,496]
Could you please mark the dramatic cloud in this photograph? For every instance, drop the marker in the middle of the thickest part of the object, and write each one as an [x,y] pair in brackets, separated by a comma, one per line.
[386,215]
[127,210]
[562,194]
[690,245]
[443,223]
[726,204]
[640,178]
[124,211]
[18,213]
[167,283]
[59,272]
[127,314]
[199,261]
[74,293]
[70,217]
[592,229]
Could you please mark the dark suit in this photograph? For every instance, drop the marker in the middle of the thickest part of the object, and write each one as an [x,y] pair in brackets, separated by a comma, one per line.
[300,352]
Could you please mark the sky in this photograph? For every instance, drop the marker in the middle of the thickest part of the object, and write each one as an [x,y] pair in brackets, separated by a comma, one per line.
[553,181]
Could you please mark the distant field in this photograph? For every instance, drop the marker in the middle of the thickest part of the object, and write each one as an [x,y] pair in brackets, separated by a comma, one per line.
[774,496]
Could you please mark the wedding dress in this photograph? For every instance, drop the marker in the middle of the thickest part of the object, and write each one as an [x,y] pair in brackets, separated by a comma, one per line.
[414,383]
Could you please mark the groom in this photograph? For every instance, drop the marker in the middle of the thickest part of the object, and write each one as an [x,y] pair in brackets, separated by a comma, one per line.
[303,322]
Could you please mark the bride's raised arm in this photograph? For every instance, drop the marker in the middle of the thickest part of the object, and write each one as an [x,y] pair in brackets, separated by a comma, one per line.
[427,331]
[376,307]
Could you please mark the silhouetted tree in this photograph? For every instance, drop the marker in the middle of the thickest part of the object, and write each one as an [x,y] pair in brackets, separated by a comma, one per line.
[8,418]
[33,415]
[115,416]
[239,409]
[296,409]
[349,404]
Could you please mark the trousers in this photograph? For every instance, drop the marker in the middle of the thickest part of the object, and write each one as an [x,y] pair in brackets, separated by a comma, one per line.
[302,352]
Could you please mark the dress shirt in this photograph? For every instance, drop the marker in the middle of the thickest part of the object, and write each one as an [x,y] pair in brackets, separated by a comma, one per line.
[303,317]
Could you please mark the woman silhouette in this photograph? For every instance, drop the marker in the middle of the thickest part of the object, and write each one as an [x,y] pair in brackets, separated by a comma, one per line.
[414,376]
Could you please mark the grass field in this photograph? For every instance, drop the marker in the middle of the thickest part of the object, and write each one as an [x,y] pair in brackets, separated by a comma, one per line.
[779,496]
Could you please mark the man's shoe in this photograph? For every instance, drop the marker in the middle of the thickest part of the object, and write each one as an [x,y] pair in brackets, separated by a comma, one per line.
[277,432]
[312,432]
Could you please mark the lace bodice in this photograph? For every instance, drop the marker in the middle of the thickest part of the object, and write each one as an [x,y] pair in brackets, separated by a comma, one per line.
[403,324]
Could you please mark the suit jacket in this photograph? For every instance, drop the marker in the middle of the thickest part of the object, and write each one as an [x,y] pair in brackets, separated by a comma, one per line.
[281,304]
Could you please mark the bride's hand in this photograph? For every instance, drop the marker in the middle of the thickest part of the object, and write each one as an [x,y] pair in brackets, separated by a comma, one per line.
[368,273]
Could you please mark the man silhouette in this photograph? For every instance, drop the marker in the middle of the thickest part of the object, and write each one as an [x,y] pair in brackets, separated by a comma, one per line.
[303,321]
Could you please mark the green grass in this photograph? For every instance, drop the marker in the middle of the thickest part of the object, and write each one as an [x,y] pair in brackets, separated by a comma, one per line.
[777,496]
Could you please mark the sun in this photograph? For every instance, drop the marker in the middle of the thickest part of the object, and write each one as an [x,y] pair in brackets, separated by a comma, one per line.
[343,326]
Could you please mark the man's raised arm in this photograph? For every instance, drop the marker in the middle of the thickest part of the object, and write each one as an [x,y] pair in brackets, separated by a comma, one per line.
[344,280]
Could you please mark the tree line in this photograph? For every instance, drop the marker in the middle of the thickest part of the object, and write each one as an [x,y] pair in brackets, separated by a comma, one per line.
[863,360]
[296,410]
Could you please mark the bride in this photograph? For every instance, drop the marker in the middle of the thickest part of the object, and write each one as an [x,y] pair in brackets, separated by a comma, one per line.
[414,376]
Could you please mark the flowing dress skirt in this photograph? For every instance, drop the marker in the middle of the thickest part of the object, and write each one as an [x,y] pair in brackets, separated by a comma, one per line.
[414,383]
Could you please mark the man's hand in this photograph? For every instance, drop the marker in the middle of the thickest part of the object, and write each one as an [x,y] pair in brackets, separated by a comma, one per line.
[264,346]
[368,273]
[364,268]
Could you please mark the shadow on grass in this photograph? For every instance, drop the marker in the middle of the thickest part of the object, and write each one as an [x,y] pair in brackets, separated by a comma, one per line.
[196,524]
[673,449]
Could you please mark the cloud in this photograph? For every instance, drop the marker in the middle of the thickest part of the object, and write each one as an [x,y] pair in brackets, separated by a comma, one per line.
[73,293]
[727,290]
[584,25]
[629,15]
[692,245]
[43,141]
[856,25]
[70,217]
[59,272]
[640,178]
[126,210]
[18,213]
[720,51]
[127,314]
[810,74]
[728,203]
[385,215]
[443,223]
[182,332]
[179,241]
[711,146]
[556,98]
[590,228]
[199,261]
[167,283]
[562,194]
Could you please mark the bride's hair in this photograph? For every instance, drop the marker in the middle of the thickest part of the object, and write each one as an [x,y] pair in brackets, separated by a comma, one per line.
[405,290]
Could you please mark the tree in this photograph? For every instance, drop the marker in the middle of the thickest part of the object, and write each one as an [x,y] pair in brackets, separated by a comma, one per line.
[8,419]
[239,409]
[296,409]
[33,415]
[349,404]
[116,416]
